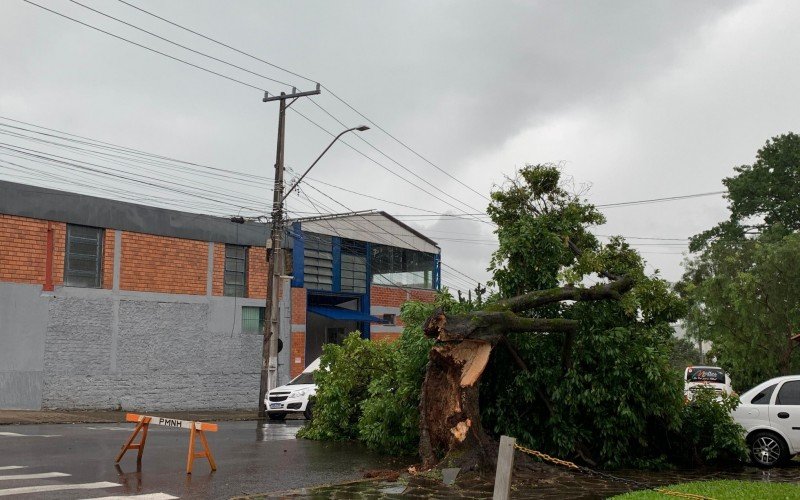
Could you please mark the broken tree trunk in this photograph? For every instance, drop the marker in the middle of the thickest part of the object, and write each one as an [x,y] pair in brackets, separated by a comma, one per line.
[450,423]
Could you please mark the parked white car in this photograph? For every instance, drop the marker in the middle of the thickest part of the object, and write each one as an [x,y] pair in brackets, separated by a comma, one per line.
[293,397]
[706,377]
[770,413]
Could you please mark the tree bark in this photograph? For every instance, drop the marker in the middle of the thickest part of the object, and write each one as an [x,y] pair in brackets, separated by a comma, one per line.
[451,433]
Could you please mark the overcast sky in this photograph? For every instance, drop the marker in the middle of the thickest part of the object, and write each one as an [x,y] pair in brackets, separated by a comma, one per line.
[638,99]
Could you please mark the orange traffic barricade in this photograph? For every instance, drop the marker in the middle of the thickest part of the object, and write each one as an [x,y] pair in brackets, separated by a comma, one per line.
[196,429]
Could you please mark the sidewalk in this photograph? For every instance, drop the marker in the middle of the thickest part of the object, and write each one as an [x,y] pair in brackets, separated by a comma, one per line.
[112,416]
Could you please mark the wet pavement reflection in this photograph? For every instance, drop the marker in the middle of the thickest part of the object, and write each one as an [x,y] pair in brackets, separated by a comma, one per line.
[252,457]
[562,484]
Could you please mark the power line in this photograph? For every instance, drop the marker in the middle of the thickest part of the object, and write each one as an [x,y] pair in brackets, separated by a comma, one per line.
[659,200]
[392,159]
[145,47]
[382,165]
[125,149]
[180,45]
[336,96]
[216,41]
[383,230]
[240,82]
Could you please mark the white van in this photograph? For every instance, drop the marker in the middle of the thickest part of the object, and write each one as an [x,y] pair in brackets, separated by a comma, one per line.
[293,397]
[709,377]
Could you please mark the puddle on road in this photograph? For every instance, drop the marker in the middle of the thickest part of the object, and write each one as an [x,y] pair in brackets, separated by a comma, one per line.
[276,431]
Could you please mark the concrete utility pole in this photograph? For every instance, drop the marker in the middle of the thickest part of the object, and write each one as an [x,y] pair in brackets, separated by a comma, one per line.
[275,258]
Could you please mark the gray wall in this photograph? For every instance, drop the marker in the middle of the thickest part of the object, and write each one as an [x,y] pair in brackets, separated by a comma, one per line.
[23,321]
[91,349]
[148,351]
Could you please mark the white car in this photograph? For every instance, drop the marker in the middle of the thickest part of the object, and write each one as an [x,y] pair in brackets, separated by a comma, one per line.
[770,414]
[293,397]
[706,377]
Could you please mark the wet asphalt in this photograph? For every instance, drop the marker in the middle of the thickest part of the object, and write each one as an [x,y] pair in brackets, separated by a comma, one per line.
[252,457]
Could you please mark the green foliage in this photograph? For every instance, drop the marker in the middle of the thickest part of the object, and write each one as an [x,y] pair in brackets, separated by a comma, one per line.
[390,422]
[342,385]
[727,489]
[744,299]
[610,393]
[370,390]
[763,196]
[744,285]
[535,215]
[708,434]
[683,353]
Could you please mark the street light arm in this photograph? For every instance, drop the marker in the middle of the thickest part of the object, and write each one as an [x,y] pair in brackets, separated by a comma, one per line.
[360,128]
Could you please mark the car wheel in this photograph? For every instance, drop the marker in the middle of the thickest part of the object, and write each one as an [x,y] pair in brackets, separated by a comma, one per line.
[276,416]
[767,449]
[309,411]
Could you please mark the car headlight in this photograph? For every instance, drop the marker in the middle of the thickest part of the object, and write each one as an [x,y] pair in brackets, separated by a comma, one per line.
[297,394]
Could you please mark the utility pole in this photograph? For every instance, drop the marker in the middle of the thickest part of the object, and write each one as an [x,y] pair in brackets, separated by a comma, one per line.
[275,257]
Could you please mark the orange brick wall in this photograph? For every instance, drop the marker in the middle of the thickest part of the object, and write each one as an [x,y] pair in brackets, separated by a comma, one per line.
[395,297]
[108,259]
[23,250]
[298,351]
[219,269]
[298,306]
[384,337]
[163,264]
[257,273]
[59,251]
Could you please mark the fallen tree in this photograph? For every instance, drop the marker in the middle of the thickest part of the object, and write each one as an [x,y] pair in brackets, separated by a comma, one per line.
[450,420]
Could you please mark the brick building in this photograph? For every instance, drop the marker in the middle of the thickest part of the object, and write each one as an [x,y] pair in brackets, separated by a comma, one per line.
[107,304]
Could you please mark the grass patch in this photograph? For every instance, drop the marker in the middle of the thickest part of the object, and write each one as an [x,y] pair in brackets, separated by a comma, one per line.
[728,490]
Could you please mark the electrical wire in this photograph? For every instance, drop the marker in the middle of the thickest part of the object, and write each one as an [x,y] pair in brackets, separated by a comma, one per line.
[336,96]
[180,45]
[145,47]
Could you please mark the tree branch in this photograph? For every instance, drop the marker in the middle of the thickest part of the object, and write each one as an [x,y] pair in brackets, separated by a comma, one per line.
[541,298]
[490,326]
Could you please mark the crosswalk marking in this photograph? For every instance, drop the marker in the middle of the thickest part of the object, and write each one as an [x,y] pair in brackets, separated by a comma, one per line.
[56,487]
[12,467]
[149,496]
[42,475]
[16,434]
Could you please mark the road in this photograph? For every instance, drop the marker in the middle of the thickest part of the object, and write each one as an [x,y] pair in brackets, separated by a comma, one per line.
[69,461]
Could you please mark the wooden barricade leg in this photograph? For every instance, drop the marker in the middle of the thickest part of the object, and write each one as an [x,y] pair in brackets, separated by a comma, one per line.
[209,456]
[190,460]
[143,440]
[130,445]
[206,453]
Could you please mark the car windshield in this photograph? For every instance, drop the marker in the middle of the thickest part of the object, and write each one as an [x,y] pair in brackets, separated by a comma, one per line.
[303,378]
[713,375]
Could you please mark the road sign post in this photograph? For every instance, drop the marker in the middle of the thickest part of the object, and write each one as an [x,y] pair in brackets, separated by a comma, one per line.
[196,429]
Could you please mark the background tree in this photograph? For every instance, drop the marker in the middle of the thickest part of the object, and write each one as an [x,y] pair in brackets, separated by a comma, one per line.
[743,285]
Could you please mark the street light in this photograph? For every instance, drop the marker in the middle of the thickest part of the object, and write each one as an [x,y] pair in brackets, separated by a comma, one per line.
[360,128]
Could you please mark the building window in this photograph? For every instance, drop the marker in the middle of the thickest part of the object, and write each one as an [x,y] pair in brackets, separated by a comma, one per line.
[235,271]
[389,319]
[318,262]
[252,319]
[354,267]
[401,266]
[83,264]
